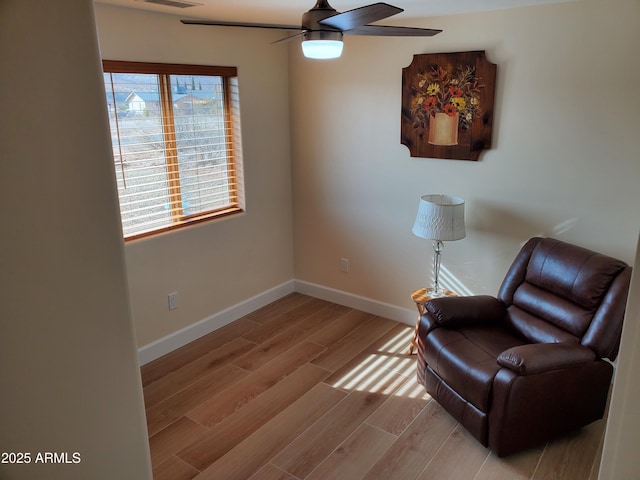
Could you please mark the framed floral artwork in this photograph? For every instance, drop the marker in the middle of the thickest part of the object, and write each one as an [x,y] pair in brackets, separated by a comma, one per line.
[447,105]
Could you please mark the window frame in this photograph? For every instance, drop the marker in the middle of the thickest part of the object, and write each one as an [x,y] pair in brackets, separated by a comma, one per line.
[234,160]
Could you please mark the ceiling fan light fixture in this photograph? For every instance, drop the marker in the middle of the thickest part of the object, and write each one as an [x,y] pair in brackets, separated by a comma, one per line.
[322,44]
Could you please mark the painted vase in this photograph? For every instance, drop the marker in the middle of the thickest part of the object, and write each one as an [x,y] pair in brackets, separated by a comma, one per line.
[443,129]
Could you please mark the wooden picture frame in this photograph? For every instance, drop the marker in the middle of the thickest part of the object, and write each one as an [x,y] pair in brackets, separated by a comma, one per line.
[447,105]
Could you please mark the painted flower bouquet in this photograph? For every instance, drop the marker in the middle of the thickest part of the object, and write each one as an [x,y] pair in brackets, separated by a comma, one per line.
[442,90]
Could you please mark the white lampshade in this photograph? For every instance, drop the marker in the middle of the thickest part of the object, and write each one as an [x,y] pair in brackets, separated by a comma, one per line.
[440,217]
[322,44]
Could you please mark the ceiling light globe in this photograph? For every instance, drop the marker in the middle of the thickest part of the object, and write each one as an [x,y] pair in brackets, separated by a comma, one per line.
[322,44]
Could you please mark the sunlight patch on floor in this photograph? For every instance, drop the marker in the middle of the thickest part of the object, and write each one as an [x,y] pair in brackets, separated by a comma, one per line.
[362,374]
[411,389]
[376,371]
[398,343]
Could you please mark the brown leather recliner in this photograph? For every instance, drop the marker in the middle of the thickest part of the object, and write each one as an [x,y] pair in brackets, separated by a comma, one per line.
[527,366]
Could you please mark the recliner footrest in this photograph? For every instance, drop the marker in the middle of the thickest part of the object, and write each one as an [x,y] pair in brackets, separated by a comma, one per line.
[464,412]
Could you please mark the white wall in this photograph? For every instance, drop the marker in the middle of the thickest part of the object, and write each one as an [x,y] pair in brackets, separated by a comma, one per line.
[620,454]
[216,265]
[564,161]
[68,365]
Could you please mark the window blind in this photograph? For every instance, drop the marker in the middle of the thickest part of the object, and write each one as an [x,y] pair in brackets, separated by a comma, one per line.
[175,134]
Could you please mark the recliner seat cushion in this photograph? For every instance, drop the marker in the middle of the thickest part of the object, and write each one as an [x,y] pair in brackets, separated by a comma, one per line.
[466,359]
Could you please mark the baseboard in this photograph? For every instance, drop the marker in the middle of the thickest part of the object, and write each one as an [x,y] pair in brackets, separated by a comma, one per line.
[369,305]
[161,347]
[188,334]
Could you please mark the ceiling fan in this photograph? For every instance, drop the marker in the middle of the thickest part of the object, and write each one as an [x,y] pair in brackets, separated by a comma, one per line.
[322,27]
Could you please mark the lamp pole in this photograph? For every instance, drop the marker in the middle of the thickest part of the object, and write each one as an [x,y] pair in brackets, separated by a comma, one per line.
[436,291]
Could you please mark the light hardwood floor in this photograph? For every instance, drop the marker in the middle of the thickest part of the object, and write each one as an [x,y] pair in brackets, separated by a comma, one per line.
[307,389]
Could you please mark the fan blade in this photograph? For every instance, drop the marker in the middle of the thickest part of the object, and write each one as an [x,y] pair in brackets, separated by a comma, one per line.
[235,24]
[389,31]
[361,16]
[289,38]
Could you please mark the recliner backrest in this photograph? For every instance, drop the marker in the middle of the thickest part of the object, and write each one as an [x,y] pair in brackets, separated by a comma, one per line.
[558,292]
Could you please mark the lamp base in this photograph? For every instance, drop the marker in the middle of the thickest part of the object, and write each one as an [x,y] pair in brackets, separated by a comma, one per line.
[436,292]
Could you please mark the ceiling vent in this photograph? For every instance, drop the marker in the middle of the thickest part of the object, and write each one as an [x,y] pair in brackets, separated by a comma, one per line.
[172,3]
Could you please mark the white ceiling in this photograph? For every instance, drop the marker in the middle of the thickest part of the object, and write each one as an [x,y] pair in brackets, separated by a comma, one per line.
[290,11]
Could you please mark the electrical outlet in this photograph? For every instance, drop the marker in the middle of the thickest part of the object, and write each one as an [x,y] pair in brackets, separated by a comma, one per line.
[344,265]
[173,300]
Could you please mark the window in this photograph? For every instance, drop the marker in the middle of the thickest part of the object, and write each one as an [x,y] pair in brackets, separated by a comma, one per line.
[175,133]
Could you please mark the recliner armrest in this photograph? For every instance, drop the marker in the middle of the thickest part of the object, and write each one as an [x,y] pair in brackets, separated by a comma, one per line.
[459,311]
[543,357]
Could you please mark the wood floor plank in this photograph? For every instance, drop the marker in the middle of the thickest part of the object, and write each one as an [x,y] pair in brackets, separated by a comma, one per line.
[448,463]
[401,408]
[564,457]
[220,406]
[169,410]
[256,450]
[595,468]
[180,357]
[520,466]
[271,472]
[407,457]
[273,347]
[317,442]
[350,346]
[282,322]
[175,437]
[336,331]
[205,365]
[355,456]
[243,422]
[277,308]
[174,469]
